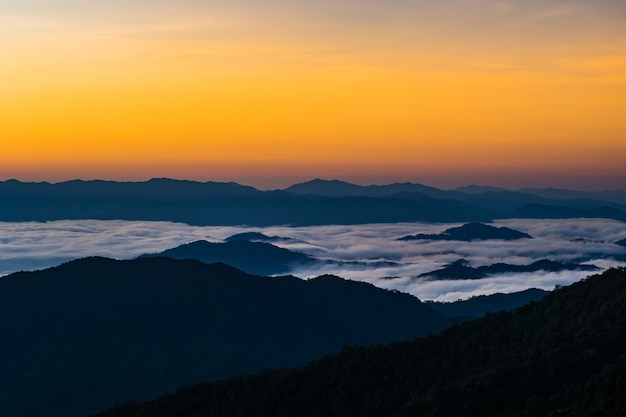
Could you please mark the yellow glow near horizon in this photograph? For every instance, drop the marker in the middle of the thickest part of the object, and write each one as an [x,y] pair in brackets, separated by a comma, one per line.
[132,99]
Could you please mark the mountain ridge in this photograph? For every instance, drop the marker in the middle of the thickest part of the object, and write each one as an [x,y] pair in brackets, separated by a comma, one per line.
[571,363]
[93,332]
[228,203]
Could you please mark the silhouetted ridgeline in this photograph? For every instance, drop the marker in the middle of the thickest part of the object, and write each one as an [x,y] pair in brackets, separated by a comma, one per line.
[480,305]
[562,356]
[252,257]
[314,203]
[472,231]
[460,269]
[93,332]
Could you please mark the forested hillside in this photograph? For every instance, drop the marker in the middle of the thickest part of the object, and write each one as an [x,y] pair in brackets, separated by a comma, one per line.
[562,356]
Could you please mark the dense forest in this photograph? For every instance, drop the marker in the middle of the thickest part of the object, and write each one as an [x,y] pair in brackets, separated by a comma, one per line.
[562,356]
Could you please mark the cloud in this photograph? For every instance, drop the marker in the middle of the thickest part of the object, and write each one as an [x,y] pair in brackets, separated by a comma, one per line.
[352,252]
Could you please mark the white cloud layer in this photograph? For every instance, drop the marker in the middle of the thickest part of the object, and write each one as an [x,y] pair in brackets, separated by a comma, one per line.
[28,246]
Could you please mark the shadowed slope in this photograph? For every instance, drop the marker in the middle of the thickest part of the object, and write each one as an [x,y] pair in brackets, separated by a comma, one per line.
[93,332]
[562,356]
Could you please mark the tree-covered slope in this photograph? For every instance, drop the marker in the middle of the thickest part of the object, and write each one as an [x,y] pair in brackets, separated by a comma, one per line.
[562,356]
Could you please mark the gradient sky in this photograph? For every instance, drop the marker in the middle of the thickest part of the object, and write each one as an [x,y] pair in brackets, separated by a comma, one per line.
[510,93]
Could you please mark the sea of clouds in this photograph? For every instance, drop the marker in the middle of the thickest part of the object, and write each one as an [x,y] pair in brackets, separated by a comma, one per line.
[354,252]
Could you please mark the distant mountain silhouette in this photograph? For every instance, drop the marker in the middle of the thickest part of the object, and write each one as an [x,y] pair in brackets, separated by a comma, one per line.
[560,356]
[472,231]
[460,269]
[503,202]
[317,202]
[214,204]
[250,236]
[477,189]
[93,332]
[621,242]
[614,196]
[542,211]
[337,188]
[259,258]
[256,236]
[480,305]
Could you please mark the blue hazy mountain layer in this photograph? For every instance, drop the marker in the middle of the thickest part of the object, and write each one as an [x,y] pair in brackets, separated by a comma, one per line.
[460,269]
[315,203]
[472,231]
[259,258]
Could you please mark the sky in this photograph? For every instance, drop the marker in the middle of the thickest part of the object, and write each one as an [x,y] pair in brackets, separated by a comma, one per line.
[268,93]
[369,252]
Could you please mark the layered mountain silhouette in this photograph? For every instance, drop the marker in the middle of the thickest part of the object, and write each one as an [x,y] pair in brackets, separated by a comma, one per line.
[336,188]
[254,236]
[314,203]
[472,231]
[254,257]
[561,356]
[543,211]
[244,252]
[615,196]
[94,332]
[460,269]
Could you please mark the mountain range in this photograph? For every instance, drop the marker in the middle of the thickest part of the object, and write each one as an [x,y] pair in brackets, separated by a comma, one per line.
[561,356]
[480,305]
[93,332]
[460,269]
[312,203]
[260,258]
[472,231]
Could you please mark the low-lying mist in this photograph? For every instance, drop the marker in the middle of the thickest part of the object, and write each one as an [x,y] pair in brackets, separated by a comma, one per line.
[368,252]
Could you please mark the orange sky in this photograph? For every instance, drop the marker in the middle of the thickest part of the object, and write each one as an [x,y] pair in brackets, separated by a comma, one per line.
[508,93]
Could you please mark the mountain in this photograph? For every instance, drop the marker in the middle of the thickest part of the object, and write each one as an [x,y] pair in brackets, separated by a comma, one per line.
[337,188]
[543,211]
[317,202]
[472,231]
[214,204]
[477,189]
[460,269]
[259,258]
[503,202]
[93,332]
[483,304]
[614,196]
[564,355]
[254,236]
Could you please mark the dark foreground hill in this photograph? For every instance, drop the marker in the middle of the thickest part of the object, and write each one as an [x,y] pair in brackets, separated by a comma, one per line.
[94,332]
[562,356]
